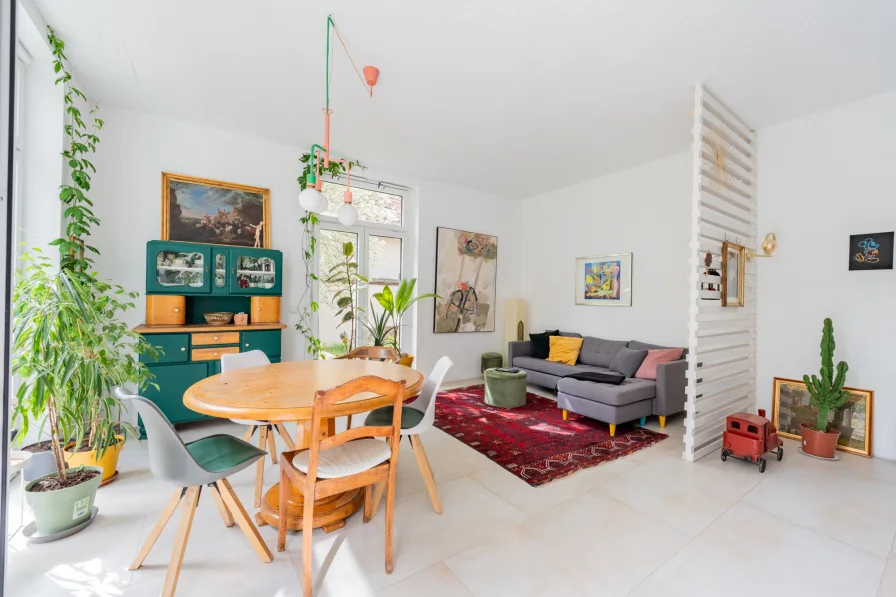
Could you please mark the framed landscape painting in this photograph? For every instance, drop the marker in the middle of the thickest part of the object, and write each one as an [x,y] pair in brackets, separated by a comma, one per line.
[605,280]
[198,210]
[466,279]
[791,407]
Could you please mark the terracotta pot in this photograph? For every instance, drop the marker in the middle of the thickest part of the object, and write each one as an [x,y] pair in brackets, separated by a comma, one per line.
[822,444]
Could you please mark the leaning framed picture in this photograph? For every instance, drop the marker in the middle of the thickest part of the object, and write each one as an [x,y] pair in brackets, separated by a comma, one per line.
[734,264]
[854,420]
[605,280]
[199,210]
[466,281]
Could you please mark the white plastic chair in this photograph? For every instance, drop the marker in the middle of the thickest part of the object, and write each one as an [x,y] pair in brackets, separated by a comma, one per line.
[417,417]
[243,360]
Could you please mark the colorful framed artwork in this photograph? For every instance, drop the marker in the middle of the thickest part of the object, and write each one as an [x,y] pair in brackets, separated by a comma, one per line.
[605,280]
[871,251]
[791,407]
[466,281]
[199,210]
[734,266]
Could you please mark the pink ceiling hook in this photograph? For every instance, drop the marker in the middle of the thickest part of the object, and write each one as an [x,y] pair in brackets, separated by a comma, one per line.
[371,74]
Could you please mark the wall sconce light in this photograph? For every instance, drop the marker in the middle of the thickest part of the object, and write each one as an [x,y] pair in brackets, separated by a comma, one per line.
[769,244]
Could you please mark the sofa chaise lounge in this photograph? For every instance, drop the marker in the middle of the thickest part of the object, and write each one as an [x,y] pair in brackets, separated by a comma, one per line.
[631,400]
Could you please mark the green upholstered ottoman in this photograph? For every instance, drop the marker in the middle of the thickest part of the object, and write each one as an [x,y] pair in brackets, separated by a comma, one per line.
[504,388]
[491,359]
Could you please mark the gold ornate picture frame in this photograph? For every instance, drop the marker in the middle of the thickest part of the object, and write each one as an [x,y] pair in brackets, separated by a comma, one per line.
[200,210]
[734,271]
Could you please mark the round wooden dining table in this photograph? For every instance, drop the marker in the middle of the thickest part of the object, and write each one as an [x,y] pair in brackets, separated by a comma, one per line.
[282,392]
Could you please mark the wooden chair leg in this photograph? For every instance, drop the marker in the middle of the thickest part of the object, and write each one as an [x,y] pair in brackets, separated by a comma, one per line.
[284,503]
[163,519]
[180,543]
[368,502]
[248,435]
[242,518]
[226,516]
[272,445]
[426,471]
[381,487]
[307,535]
[390,518]
[348,422]
[259,473]
[290,445]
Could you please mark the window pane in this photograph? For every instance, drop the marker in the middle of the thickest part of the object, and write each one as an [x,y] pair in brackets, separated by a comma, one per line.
[333,336]
[384,257]
[372,206]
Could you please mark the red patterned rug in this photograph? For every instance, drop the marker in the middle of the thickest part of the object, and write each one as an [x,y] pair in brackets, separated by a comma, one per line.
[533,441]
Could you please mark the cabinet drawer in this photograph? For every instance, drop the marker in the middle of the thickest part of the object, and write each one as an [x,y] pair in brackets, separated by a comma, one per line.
[174,347]
[267,341]
[213,354]
[215,338]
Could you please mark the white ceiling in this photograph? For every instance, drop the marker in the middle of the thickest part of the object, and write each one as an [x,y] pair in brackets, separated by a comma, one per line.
[513,96]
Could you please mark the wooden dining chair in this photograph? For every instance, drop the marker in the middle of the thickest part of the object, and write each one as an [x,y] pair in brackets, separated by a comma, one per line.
[349,460]
[243,360]
[386,354]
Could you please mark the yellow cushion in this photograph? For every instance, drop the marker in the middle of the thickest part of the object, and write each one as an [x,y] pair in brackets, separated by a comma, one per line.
[565,350]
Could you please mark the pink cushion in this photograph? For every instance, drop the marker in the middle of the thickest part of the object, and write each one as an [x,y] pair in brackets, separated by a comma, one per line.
[647,370]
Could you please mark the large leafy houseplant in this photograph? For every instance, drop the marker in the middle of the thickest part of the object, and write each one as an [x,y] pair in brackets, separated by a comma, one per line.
[827,395]
[378,326]
[397,304]
[345,278]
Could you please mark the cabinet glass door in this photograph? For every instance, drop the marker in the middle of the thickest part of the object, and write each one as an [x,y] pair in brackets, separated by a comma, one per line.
[255,272]
[178,268]
[219,275]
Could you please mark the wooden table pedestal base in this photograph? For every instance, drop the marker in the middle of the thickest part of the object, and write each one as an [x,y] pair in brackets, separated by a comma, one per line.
[329,513]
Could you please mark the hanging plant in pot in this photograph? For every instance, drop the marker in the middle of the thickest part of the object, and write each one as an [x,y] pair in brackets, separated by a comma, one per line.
[827,396]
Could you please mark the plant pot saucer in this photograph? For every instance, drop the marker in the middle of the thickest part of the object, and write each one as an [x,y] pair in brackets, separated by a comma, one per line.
[30,530]
[836,456]
[110,479]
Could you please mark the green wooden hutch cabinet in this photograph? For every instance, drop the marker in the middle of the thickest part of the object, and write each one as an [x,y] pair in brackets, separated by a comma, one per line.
[186,280]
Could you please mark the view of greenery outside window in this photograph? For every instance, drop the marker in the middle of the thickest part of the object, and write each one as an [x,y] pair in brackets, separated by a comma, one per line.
[373,206]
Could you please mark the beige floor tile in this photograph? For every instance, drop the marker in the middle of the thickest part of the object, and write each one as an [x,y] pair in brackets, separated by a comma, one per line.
[888,582]
[437,581]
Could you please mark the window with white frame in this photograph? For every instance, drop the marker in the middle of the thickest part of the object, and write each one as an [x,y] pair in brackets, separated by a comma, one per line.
[380,240]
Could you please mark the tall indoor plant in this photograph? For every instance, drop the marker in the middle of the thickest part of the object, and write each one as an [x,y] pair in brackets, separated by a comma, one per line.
[827,395]
[345,277]
[397,305]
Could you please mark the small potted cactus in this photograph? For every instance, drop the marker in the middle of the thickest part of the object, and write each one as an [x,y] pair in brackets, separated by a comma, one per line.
[827,396]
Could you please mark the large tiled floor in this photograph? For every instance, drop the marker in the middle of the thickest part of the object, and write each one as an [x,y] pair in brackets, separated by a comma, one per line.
[647,525]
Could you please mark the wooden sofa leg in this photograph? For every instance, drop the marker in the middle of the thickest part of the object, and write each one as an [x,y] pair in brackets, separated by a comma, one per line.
[612,430]
[565,414]
[662,421]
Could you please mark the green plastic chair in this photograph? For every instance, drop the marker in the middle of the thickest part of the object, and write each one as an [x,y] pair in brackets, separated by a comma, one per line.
[207,461]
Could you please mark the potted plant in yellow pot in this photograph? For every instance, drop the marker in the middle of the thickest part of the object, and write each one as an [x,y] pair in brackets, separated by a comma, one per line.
[827,396]
[397,305]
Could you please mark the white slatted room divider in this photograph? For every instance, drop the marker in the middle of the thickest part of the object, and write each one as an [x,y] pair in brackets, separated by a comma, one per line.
[721,358]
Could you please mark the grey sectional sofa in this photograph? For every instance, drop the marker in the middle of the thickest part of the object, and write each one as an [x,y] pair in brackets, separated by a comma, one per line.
[631,400]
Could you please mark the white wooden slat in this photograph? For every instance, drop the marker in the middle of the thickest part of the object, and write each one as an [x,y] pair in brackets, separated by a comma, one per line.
[742,169]
[727,341]
[747,149]
[715,402]
[734,173]
[709,432]
[706,450]
[724,114]
[702,420]
[744,223]
[712,189]
[709,203]
[723,356]
[708,373]
[731,185]
[726,383]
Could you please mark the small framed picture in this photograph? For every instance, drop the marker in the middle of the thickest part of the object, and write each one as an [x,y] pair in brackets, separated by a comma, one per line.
[605,280]
[734,265]
[871,251]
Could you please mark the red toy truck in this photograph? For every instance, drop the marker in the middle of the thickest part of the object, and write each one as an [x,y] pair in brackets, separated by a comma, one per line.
[749,437]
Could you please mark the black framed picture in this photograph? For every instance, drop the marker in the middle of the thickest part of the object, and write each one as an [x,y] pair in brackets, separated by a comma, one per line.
[871,251]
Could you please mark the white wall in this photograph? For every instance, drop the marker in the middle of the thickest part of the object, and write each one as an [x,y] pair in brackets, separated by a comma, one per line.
[644,211]
[457,207]
[822,178]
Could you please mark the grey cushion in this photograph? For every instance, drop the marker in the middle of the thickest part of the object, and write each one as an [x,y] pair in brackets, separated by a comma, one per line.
[598,352]
[627,361]
[570,335]
[558,369]
[629,391]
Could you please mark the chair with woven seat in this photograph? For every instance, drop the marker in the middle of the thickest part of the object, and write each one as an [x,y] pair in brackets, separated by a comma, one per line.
[386,354]
[349,460]
[207,461]
[417,417]
[242,360]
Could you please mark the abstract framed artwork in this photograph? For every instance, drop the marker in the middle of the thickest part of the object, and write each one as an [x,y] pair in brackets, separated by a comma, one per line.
[199,210]
[791,407]
[466,281]
[871,251]
[605,280]
[734,264]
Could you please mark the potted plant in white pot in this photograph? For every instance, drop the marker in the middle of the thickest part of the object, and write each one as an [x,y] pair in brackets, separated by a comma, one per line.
[397,305]
[827,396]
[70,350]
